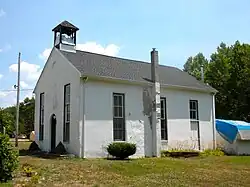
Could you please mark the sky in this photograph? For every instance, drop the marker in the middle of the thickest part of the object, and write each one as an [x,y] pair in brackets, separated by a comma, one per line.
[130,29]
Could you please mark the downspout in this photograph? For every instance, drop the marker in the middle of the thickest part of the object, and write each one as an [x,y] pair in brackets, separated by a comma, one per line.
[213,120]
[82,116]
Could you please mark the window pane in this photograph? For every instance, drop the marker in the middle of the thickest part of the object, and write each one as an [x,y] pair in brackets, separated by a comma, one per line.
[67,131]
[119,100]
[116,112]
[120,112]
[192,115]
[115,100]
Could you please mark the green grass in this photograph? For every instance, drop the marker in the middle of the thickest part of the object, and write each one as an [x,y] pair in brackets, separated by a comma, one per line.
[198,171]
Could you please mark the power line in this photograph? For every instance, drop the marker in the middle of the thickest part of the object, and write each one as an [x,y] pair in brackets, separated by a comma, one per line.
[13,90]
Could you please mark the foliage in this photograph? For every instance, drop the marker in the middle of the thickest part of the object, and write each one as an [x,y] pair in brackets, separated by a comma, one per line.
[8,157]
[7,121]
[121,150]
[228,71]
[212,152]
[26,116]
[193,65]
[28,170]
[27,108]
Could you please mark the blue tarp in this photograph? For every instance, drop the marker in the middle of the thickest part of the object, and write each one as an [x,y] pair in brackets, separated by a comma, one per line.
[229,129]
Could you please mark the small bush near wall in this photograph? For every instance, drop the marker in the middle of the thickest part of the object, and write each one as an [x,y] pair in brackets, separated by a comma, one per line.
[121,150]
[8,158]
[191,153]
[212,152]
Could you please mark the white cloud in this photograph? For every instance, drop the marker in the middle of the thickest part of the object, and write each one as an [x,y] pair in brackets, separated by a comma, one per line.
[2,13]
[23,84]
[45,54]
[110,50]
[7,98]
[1,76]
[3,94]
[29,72]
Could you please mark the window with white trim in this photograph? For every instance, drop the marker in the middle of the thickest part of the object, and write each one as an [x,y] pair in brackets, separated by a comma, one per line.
[164,128]
[193,109]
[118,117]
[66,125]
[41,119]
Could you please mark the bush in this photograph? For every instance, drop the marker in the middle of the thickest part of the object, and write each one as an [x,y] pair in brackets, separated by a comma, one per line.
[212,152]
[121,150]
[8,158]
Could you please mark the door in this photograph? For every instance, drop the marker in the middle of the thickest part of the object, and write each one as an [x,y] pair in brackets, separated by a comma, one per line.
[53,132]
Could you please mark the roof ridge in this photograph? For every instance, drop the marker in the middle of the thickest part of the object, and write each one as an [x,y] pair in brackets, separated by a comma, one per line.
[123,58]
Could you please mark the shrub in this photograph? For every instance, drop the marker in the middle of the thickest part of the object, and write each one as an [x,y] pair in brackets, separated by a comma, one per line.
[8,158]
[121,150]
[212,152]
[34,147]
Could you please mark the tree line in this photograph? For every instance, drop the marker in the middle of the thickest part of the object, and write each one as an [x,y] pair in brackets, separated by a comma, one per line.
[26,117]
[228,71]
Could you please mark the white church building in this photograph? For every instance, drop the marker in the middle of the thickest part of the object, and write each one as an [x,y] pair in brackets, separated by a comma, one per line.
[87,100]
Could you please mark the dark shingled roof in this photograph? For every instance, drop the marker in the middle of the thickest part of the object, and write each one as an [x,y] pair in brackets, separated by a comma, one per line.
[92,64]
[66,24]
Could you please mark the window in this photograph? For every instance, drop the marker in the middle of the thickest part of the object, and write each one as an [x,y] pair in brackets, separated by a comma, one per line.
[164,128]
[118,117]
[41,119]
[194,119]
[193,108]
[66,125]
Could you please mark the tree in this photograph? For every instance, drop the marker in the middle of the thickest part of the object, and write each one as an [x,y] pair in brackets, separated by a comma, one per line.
[27,108]
[229,73]
[193,65]
[26,115]
[7,121]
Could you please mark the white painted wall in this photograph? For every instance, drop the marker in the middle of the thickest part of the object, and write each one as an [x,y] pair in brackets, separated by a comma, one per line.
[56,74]
[180,132]
[98,130]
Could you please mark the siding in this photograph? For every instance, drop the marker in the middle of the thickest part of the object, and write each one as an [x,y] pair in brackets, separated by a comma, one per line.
[58,72]
[98,130]
[99,117]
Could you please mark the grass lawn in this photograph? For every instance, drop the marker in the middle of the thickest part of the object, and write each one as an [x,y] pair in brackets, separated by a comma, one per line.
[207,171]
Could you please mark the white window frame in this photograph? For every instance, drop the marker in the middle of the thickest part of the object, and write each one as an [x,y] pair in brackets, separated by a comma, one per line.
[120,117]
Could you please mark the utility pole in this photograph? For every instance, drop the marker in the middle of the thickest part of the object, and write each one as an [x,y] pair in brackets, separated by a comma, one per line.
[17,98]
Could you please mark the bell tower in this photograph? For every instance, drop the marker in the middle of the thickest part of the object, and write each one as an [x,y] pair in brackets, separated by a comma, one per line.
[65,36]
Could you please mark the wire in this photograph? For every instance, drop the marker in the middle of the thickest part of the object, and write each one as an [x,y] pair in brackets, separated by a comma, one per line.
[16,90]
